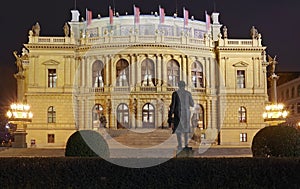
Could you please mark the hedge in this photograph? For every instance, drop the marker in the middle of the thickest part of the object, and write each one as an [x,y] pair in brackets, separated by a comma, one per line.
[276,141]
[87,143]
[73,172]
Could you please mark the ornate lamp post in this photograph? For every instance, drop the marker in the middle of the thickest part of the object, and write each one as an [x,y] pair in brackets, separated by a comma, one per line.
[274,112]
[20,115]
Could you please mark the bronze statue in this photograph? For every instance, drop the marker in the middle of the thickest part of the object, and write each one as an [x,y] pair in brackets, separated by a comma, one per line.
[180,107]
[18,62]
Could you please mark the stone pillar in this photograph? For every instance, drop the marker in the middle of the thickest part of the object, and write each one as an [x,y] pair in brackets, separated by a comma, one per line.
[273,93]
[164,71]
[20,86]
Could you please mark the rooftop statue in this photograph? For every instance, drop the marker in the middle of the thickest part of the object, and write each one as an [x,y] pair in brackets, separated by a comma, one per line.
[36,29]
[254,33]
[66,30]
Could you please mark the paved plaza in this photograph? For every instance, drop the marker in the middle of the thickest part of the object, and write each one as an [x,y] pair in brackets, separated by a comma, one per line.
[214,151]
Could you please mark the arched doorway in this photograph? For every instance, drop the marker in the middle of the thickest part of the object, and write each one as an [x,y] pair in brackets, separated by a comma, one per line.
[198,117]
[122,116]
[97,110]
[148,116]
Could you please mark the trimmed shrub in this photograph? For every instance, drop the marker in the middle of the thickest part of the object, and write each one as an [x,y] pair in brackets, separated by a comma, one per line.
[87,143]
[276,141]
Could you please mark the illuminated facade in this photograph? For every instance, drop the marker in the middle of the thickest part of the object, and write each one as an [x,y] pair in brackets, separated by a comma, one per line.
[128,72]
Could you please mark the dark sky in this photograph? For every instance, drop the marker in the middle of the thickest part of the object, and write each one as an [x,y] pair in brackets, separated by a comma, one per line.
[277,20]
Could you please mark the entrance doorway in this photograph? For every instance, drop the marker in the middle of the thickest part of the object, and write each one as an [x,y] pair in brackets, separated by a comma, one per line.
[148,116]
[122,116]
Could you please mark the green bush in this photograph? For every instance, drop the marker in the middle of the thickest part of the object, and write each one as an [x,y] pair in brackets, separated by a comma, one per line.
[87,143]
[276,141]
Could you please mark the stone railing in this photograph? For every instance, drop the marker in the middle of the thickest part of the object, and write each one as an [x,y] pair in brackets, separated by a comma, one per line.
[240,42]
[50,40]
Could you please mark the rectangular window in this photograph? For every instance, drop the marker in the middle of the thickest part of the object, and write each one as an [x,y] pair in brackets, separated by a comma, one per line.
[52,78]
[240,79]
[243,137]
[51,138]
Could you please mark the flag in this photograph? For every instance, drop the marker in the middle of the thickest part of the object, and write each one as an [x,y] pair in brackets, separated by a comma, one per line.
[185,16]
[88,17]
[111,16]
[161,15]
[136,14]
[207,20]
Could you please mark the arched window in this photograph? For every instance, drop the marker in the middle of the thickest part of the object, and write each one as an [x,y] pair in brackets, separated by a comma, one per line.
[148,116]
[122,116]
[197,75]
[98,73]
[242,115]
[147,71]
[173,73]
[51,115]
[122,73]
[96,112]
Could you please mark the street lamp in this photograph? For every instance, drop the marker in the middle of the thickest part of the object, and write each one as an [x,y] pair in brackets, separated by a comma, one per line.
[19,114]
[275,114]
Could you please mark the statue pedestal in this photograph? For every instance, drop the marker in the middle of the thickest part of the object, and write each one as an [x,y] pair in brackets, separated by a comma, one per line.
[19,139]
[185,152]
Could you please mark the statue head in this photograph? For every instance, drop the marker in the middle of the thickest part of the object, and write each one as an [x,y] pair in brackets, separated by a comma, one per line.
[181,84]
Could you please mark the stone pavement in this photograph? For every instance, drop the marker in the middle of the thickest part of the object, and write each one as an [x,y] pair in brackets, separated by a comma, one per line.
[212,151]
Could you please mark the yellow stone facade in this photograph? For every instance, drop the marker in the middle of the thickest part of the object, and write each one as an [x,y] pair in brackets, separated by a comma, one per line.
[128,72]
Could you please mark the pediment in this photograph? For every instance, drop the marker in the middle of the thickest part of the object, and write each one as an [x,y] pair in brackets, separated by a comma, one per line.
[241,64]
[51,62]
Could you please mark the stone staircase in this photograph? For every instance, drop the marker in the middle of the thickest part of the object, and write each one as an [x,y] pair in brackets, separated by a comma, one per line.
[142,138]
[146,138]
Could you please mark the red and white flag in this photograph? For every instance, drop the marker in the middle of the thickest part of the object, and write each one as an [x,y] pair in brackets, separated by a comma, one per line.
[88,17]
[207,19]
[111,16]
[136,14]
[185,16]
[161,15]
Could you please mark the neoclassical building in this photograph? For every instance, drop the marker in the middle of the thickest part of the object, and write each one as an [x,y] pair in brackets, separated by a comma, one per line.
[127,71]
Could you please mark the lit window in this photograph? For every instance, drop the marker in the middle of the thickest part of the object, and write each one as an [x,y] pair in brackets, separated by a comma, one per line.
[240,77]
[51,115]
[52,78]
[242,115]
[197,75]
[122,73]
[51,138]
[243,137]
[98,73]
[173,73]
[147,71]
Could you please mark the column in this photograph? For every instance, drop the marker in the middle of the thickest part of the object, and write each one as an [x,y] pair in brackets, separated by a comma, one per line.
[164,70]
[138,69]
[107,81]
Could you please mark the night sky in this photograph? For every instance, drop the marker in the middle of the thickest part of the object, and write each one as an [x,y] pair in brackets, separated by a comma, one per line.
[278,21]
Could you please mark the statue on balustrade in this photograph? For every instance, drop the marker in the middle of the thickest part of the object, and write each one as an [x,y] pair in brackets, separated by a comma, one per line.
[66,30]
[36,29]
